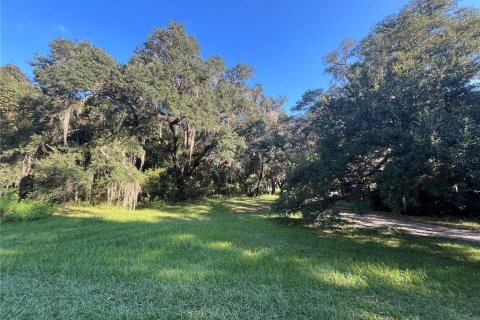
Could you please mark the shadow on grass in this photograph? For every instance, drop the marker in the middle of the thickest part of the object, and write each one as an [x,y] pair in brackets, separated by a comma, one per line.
[209,257]
[440,247]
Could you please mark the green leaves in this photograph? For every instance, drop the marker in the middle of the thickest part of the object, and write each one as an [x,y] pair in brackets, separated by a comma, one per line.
[398,120]
[73,69]
[60,177]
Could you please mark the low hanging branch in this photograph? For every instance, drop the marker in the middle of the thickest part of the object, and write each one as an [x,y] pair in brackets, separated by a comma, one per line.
[160,129]
[70,106]
[130,195]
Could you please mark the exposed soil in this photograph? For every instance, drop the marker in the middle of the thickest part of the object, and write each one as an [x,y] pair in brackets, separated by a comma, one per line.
[428,229]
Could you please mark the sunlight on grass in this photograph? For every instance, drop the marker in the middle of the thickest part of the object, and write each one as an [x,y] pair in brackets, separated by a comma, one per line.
[8,252]
[220,245]
[471,253]
[340,278]
[254,255]
[182,237]
[118,214]
[226,258]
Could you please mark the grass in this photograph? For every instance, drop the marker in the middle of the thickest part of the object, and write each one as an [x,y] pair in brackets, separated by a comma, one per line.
[226,259]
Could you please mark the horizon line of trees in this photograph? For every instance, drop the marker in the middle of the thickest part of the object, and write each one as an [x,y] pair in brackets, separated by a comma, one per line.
[398,129]
[166,125]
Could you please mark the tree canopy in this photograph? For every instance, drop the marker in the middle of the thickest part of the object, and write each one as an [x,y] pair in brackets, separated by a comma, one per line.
[400,125]
[105,129]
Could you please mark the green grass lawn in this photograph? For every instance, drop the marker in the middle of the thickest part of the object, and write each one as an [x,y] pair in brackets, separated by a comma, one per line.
[226,259]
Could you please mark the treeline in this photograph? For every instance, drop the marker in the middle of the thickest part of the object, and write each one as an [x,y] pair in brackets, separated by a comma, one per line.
[166,125]
[398,129]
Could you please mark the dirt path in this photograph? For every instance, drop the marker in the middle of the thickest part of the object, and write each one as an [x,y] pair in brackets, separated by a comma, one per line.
[428,229]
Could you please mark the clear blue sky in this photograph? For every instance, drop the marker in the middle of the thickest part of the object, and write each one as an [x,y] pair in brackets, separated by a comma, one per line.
[284,40]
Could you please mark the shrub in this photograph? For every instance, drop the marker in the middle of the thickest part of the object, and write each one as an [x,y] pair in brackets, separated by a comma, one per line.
[13,209]
[159,184]
[8,200]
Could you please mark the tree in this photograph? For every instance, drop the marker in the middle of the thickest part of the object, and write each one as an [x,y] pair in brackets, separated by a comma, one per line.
[114,166]
[264,160]
[71,74]
[60,177]
[186,105]
[400,125]
[20,104]
[183,119]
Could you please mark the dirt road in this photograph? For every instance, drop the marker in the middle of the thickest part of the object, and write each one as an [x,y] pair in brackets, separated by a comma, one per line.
[429,229]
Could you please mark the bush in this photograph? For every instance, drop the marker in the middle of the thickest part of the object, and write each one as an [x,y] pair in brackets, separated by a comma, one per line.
[8,200]
[159,184]
[13,209]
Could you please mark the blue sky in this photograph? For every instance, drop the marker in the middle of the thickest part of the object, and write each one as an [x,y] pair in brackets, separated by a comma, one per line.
[284,40]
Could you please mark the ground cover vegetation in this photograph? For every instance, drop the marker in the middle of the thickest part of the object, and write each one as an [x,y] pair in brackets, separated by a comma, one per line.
[226,258]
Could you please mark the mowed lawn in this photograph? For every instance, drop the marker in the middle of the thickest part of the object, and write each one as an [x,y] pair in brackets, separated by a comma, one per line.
[226,259]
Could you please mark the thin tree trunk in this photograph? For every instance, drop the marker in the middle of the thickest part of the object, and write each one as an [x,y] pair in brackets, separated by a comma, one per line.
[260,177]
[180,180]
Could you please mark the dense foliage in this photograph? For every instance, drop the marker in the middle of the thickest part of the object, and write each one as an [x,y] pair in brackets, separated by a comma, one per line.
[14,209]
[400,126]
[170,121]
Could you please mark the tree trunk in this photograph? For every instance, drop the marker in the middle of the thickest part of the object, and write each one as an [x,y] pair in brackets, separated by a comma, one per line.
[180,181]
[273,187]
[260,177]
[280,185]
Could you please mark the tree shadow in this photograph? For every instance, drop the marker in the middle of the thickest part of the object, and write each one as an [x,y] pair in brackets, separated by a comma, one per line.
[257,267]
